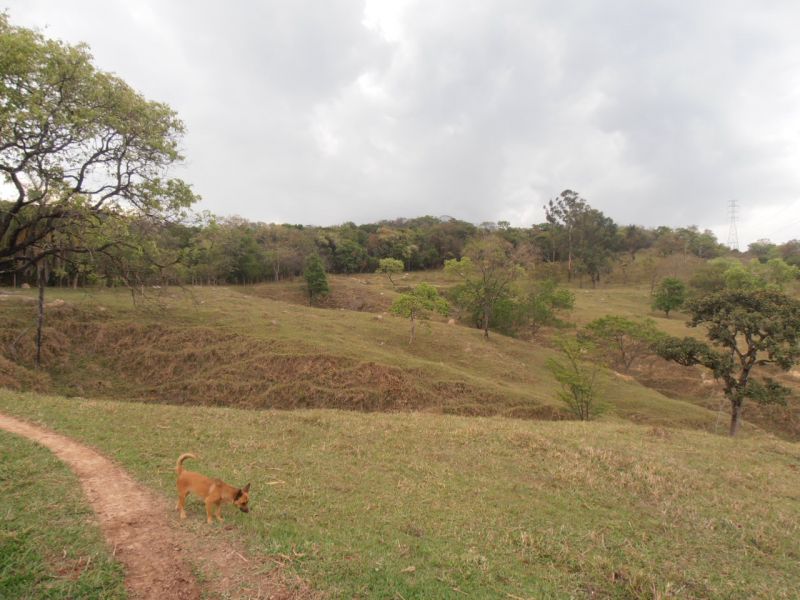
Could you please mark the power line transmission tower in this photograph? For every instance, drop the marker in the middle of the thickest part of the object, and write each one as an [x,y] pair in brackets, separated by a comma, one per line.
[733,234]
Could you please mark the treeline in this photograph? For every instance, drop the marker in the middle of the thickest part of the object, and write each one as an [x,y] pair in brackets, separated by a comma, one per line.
[576,240]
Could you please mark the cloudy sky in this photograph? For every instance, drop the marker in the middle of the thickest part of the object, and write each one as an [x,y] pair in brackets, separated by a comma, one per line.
[656,111]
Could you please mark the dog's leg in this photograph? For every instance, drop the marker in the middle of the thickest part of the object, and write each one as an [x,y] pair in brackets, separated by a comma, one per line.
[219,511]
[209,505]
[182,502]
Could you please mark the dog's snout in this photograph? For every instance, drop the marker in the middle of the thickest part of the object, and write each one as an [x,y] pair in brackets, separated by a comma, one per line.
[244,509]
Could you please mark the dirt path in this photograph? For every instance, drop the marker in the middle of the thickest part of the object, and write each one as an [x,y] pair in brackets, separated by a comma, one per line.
[157,555]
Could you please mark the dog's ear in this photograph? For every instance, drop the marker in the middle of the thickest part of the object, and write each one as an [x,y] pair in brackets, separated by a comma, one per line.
[246,488]
[238,495]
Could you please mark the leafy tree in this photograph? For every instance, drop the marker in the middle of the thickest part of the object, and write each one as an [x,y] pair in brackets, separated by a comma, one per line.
[738,277]
[578,379]
[704,244]
[670,294]
[389,267]
[778,273]
[748,329]
[76,145]
[585,235]
[595,244]
[418,304]
[316,280]
[488,271]
[790,252]
[349,257]
[762,250]
[624,340]
[528,313]
[79,148]
[634,238]
[563,214]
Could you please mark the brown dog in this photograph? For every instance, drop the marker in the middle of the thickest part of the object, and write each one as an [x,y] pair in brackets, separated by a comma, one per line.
[212,491]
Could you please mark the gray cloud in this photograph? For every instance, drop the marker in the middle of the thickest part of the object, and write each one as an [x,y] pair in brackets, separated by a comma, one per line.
[658,113]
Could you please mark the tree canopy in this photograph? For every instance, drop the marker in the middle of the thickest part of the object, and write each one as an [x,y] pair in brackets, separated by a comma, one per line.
[419,303]
[77,147]
[747,329]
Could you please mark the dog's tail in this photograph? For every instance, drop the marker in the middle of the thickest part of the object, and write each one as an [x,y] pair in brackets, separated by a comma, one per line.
[181,458]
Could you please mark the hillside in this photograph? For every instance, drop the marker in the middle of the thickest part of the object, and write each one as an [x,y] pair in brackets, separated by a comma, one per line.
[230,346]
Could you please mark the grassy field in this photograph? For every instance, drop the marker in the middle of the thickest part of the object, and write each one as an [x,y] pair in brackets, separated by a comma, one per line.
[421,506]
[50,544]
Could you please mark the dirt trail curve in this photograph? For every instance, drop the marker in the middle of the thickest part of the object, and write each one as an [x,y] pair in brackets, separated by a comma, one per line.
[157,556]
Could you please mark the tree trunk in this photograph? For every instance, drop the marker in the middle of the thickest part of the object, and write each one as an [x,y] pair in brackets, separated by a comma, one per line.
[413,328]
[569,256]
[736,416]
[486,324]
[41,280]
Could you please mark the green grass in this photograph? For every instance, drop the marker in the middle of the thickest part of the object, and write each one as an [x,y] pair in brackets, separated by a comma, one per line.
[50,544]
[489,507]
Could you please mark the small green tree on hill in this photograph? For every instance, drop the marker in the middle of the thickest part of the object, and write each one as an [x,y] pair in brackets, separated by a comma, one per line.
[488,271]
[419,303]
[623,340]
[670,294]
[389,267]
[578,379]
[748,329]
[316,280]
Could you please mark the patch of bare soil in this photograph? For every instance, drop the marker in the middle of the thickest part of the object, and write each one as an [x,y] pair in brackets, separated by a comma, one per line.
[157,555]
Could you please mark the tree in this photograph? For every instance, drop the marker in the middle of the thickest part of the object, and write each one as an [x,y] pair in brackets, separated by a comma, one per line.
[79,148]
[389,267]
[316,280]
[623,340]
[578,379]
[563,214]
[777,273]
[748,329]
[349,257]
[76,145]
[527,313]
[488,270]
[762,250]
[670,294]
[634,238]
[419,303]
[595,243]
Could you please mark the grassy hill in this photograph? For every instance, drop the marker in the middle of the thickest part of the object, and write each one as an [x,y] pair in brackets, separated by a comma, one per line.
[262,346]
[420,505]
[237,347]
[447,473]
